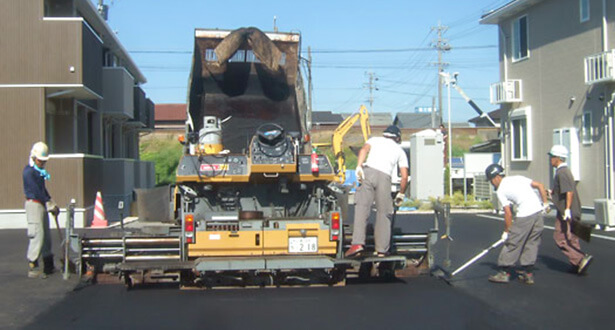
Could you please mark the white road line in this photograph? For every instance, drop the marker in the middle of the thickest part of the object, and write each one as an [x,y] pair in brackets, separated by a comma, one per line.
[609,238]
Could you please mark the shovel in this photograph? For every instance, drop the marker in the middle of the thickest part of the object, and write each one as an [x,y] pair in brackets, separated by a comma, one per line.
[443,274]
[70,266]
[55,217]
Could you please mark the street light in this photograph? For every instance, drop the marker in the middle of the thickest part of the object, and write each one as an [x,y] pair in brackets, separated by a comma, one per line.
[449,80]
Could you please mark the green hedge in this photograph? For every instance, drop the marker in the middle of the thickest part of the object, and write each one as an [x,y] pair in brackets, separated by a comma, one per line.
[165,153]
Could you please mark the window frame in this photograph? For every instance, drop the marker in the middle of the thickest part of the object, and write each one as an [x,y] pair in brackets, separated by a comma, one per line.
[526,143]
[582,4]
[587,132]
[517,49]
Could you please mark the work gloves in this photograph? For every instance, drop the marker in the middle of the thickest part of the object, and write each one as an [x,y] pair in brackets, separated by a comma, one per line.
[567,215]
[359,173]
[399,198]
[52,208]
[546,208]
[504,236]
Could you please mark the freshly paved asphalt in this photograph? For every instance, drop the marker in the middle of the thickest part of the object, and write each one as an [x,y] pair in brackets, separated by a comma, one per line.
[557,300]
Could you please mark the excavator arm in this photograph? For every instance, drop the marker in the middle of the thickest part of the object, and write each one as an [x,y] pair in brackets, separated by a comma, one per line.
[338,137]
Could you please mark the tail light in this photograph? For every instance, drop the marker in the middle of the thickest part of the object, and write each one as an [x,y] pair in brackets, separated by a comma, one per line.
[189,228]
[335,226]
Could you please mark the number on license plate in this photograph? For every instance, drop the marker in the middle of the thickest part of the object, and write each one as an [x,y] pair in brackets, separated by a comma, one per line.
[302,244]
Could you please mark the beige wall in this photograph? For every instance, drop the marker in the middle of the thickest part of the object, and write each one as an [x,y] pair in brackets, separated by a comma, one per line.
[23,123]
[551,76]
[74,176]
[39,42]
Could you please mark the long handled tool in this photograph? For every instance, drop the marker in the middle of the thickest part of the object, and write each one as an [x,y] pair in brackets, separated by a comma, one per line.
[441,273]
[65,261]
[55,217]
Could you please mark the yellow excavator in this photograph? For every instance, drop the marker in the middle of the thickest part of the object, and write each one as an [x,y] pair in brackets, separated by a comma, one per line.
[338,139]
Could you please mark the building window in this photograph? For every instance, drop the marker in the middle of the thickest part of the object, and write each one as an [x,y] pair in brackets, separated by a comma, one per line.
[520,39]
[251,57]
[584,10]
[568,137]
[210,55]
[241,55]
[587,128]
[520,135]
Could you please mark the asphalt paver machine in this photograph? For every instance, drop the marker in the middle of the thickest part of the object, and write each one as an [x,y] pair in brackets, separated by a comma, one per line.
[254,204]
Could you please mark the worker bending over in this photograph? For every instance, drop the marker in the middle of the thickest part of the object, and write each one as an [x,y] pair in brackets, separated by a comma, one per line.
[383,155]
[522,235]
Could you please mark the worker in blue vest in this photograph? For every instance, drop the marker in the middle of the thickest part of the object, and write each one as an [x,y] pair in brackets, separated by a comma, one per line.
[38,203]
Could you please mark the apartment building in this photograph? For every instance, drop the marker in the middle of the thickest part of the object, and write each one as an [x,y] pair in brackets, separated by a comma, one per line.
[557,85]
[67,80]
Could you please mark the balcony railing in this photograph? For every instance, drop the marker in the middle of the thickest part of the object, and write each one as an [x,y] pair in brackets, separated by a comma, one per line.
[599,68]
[508,91]
[118,89]
[140,107]
[149,123]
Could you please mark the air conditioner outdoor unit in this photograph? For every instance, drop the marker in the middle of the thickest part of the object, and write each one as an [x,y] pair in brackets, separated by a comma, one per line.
[605,212]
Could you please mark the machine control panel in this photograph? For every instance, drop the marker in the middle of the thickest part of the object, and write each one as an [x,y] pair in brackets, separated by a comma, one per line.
[280,153]
[305,165]
[213,166]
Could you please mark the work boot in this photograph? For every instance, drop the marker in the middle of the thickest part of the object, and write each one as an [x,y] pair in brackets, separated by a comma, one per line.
[354,250]
[500,277]
[34,271]
[48,266]
[526,277]
[584,264]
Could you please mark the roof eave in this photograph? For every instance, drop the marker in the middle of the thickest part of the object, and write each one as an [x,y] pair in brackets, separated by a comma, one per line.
[506,11]
[109,38]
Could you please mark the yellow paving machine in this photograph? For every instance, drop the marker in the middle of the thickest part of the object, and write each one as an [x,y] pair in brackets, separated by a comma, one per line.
[254,204]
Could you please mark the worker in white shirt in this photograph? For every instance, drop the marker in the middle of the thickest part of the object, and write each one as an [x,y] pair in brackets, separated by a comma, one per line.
[377,159]
[522,236]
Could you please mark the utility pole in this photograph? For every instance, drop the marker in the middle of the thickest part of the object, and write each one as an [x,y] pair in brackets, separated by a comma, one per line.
[371,84]
[441,45]
[103,10]
[309,67]
[433,112]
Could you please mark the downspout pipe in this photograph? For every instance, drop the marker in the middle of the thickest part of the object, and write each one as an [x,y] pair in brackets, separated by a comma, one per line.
[608,147]
[605,31]
[608,115]
[503,126]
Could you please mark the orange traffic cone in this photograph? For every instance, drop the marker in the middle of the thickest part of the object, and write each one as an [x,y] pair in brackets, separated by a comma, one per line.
[99,213]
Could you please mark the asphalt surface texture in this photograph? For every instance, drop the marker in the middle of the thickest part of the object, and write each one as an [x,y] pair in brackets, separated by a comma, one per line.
[558,300]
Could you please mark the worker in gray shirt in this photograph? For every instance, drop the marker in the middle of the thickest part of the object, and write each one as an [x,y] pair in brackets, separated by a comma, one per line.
[568,204]
[522,235]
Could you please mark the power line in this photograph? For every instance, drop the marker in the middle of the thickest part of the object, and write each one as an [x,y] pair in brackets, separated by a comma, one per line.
[329,51]
[160,51]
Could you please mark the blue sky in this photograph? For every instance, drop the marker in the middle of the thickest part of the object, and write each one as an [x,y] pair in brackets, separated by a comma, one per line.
[406,77]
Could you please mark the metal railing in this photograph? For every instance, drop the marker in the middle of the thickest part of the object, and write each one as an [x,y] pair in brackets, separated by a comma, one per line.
[508,91]
[599,67]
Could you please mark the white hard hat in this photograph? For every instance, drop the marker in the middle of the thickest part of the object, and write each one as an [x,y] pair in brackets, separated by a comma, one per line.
[40,151]
[559,150]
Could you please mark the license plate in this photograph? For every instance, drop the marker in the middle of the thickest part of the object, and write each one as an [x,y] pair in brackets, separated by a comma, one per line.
[302,244]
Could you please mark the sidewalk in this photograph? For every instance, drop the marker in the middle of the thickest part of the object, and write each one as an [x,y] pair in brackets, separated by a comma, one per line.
[24,298]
